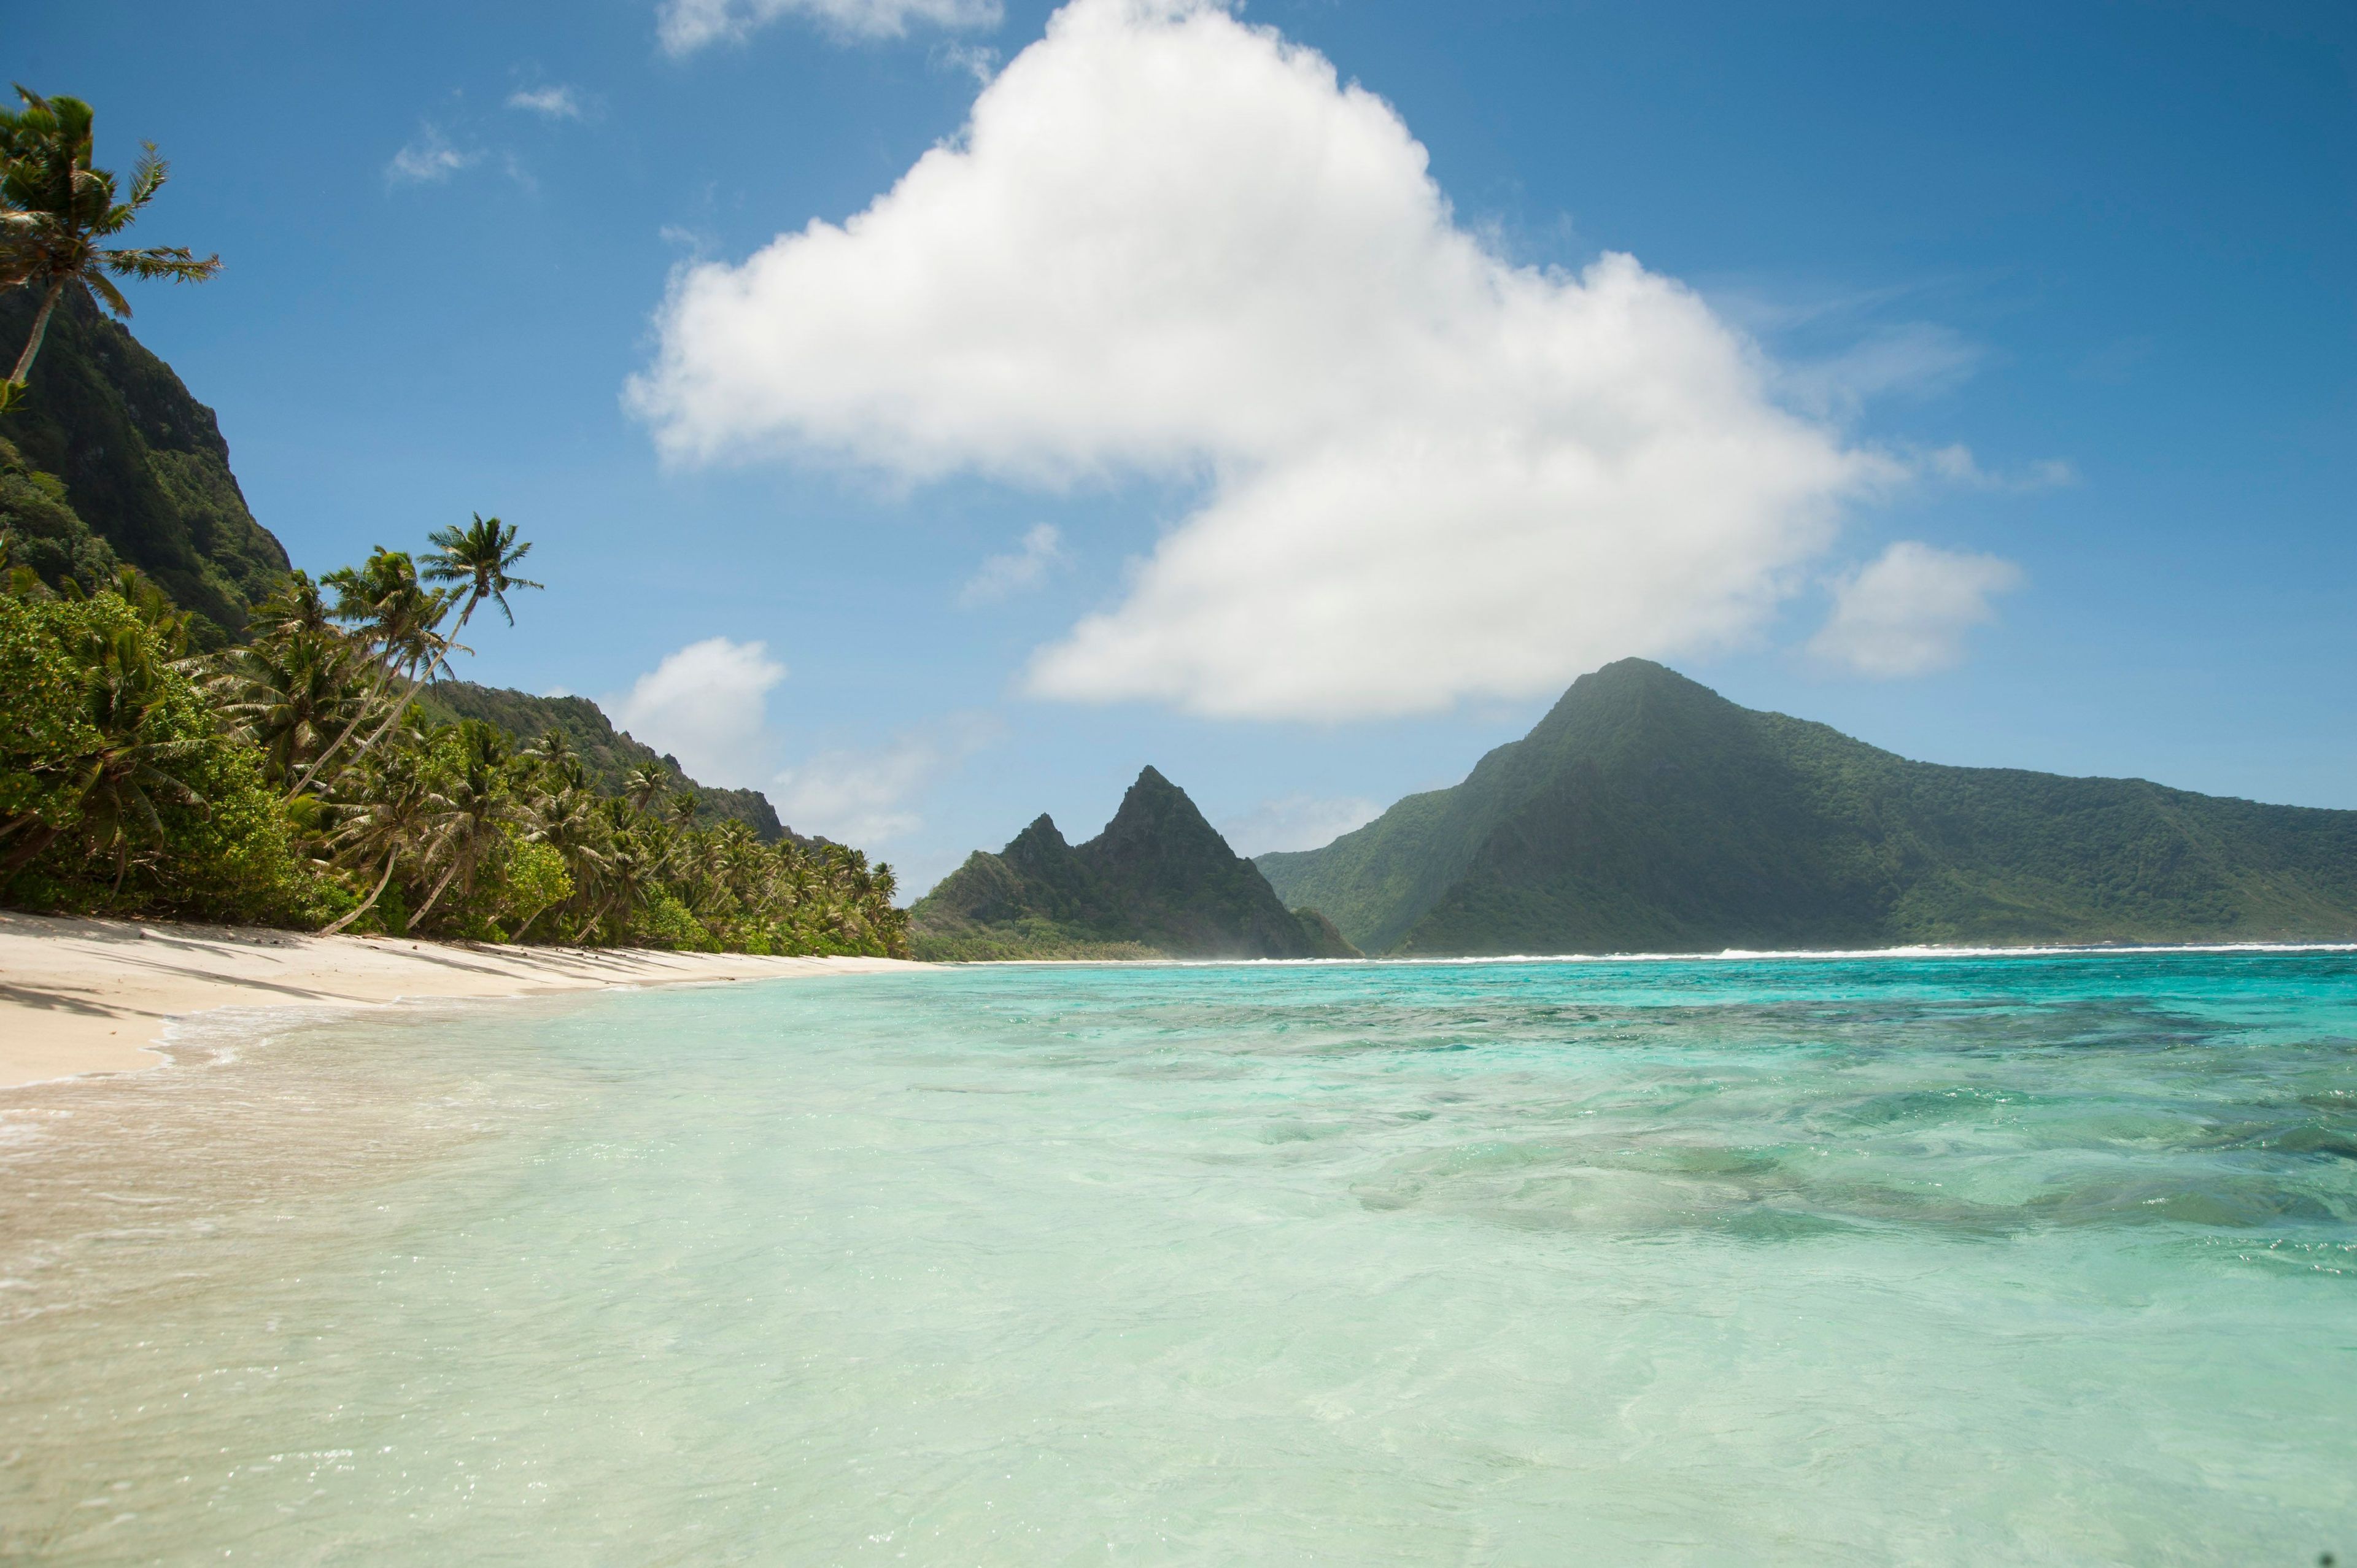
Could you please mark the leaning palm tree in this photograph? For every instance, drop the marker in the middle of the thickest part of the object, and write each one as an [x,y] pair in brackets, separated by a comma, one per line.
[401,620]
[288,692]
[111,789]
[56,208]
[389,821]
[480,560]
[567,820]
[467,814]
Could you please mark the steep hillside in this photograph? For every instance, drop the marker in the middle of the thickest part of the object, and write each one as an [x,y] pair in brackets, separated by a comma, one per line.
[141,464]
[1647,812]
[609,754]
[1159,881]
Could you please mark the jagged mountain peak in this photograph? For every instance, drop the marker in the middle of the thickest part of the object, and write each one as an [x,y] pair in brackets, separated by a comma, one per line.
[1158,879]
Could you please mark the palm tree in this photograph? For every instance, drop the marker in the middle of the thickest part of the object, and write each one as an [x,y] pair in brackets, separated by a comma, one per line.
[55,209]
[389,821]
[400,619]
[567,820]
[641,785]
[481,558]
[467,816]
[287,691]
[113,786]
[295,605]
[630,872]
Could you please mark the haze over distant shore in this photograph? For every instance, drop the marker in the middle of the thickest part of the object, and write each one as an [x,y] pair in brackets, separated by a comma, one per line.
[94,996]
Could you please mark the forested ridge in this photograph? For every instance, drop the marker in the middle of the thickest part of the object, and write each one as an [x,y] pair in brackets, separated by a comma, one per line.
[1645,811]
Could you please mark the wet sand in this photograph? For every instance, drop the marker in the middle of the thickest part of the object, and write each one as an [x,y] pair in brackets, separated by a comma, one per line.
[94,996]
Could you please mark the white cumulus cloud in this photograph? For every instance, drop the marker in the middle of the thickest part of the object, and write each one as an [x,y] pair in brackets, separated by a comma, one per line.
[1906,613]
[686,25]
[706,705]
[1024,567]
[1170,243]
[1297,821]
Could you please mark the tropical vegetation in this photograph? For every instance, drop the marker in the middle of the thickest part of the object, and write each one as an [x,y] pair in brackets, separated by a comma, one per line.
[56,209]
[297,779]
[192,728]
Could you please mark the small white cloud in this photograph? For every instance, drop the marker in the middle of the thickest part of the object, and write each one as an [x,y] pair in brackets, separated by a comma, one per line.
[1907,612]
[557,102]
[869,797]
[1026,567]
[428,159]
[1957,466]
[979,61]
[686,25]
[1297,821]
[706,705]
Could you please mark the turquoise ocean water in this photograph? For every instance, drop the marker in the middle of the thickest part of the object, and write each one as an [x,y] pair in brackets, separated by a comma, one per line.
[1881,1259]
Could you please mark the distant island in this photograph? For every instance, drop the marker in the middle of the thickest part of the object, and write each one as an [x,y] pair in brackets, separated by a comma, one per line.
[1646,812]
[1158,882]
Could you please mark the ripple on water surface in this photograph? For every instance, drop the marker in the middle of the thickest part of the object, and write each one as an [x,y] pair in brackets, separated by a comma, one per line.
[1937,1260]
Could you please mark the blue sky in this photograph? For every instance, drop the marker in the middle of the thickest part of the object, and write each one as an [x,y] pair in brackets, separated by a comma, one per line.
[1999,364]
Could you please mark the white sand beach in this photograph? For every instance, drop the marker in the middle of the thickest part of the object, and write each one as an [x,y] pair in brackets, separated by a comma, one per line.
[94,996]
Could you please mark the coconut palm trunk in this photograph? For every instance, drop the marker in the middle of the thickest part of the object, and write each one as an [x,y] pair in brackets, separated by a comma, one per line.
[61,207]
[435,897]
[374,894]
[40,330]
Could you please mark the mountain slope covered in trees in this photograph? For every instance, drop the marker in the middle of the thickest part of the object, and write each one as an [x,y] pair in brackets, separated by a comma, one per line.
[1158,882]
[610,754]
[1646,812]
[109,458]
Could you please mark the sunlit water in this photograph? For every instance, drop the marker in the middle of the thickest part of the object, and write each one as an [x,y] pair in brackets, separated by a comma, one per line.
[1898,1260]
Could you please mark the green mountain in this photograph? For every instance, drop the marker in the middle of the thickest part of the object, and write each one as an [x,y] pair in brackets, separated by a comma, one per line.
[608,753]
[1648,813]
[1158,882]
[108,457]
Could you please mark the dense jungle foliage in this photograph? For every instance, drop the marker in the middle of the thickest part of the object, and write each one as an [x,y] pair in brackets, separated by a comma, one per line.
[299,779]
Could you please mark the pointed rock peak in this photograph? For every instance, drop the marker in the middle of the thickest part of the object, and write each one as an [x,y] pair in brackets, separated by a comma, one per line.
[1157,809]
[1042,835]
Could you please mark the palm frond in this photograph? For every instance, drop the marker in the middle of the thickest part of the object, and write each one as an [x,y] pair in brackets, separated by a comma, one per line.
[148,176]
[176,263]
[108,294]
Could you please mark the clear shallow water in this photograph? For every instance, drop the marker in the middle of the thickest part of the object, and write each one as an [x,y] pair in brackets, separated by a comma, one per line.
[1942,1261]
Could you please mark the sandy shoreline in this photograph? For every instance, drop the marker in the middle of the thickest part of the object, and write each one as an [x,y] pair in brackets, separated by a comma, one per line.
[94,996]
